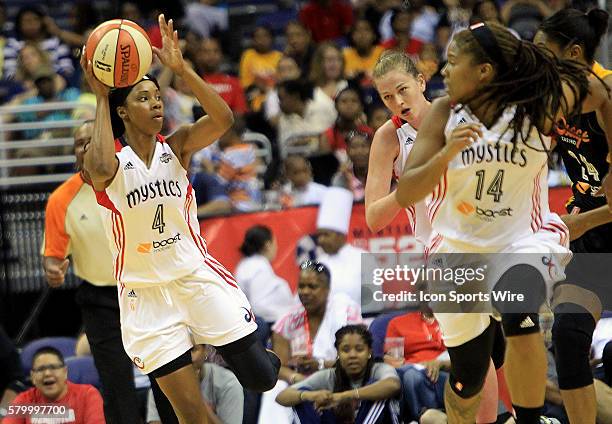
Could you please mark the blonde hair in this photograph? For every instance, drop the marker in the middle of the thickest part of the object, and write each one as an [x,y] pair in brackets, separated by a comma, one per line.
[21,73]
[317,72]
[392,60]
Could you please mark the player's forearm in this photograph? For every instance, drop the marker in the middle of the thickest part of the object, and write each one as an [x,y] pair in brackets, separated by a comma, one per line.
[100,161]
[380,213]
[211,102]
[596,217]
[417,183]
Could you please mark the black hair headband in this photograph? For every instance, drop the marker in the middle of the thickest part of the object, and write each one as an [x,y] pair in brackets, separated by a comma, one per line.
[485,38]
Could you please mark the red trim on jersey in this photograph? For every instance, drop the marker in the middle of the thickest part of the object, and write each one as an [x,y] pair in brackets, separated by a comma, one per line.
[439,203]
[118,231]
[435,242]
[397,121]
[411,213]
[536,213]
[561,229]
[201,245]
[161,138]
[118,146]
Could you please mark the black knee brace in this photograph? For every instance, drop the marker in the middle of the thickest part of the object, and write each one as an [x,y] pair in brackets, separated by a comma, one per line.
[572,334]
[521,279]
[470,364]
[255,367]
[520,324]
[499,345]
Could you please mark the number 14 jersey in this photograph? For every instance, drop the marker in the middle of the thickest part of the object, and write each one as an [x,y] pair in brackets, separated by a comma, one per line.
[494,192]
[151,218]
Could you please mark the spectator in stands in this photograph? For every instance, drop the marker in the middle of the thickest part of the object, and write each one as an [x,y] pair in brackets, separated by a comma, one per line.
[364,51]
[342,259]
[220,389]
[353,172]
[356,390]
[179,101]
[486,10]
[237,170]
[268,294]
[299,45]
[211,194]
[377,115]
[401,22]
[29,59]
[205,18]
[300,189]
[351,118]
[425,364]
[83,18]
[51,386]
[525,16]
[327,71]
[258,65]
[208,62]
[46,91]
[304,337]
[12,377]
[29,26]
[305,114]
[327,20]
[455,17]
[73,227]
[286,69]
[131,10]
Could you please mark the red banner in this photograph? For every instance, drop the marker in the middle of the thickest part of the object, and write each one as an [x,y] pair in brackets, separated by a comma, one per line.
[225,235]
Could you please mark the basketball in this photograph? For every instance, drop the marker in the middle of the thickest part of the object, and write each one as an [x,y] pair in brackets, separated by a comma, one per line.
[120,52]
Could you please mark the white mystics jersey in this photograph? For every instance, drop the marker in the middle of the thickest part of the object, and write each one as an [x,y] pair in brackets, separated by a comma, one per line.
[151,219]
[493,192]
[417,214]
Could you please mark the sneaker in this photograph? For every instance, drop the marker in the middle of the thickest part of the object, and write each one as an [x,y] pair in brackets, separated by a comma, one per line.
[549,420]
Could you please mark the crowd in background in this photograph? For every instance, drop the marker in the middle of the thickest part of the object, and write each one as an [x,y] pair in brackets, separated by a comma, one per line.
[299,83]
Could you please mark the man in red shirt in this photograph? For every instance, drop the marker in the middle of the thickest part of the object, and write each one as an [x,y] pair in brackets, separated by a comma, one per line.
[327,19]
[208,61]
[82,402]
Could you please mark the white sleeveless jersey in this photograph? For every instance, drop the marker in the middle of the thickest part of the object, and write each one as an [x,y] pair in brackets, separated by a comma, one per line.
[151,220]
[417,214]
[493,192]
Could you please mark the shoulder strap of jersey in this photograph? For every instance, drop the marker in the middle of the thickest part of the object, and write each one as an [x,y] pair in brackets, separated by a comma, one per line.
[600,71]
[397,121]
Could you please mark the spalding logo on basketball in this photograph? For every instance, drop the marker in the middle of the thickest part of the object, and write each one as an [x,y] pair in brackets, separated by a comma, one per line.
[120,52]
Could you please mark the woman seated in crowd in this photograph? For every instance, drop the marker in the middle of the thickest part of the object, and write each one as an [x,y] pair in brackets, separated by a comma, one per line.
[355,390]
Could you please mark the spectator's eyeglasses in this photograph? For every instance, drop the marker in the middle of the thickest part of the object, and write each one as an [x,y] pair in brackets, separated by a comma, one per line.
[50,367]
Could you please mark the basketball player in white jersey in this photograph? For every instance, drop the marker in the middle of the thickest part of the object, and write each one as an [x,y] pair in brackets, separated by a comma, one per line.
[482,147]
[401,88]
[172,293]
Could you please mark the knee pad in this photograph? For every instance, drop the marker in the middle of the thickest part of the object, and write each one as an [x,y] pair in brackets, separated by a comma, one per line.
[520,324]
[470,364]
[521,279]
[255,367]
[572,334]
[499,345]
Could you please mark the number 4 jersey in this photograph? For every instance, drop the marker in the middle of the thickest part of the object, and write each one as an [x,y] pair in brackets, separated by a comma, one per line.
[151,218]
[495,191]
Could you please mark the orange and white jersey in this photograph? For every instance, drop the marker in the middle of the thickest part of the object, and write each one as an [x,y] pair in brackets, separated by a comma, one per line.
[417,214]
[151,220]
[494,192]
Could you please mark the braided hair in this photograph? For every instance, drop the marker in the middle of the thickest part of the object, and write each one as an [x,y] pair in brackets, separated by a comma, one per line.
[342,382]
[526,76]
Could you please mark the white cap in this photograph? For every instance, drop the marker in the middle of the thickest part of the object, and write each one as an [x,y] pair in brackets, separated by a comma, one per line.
[335,210]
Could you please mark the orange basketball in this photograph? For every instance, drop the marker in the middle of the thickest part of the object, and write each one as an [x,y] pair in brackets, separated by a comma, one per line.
[120,52]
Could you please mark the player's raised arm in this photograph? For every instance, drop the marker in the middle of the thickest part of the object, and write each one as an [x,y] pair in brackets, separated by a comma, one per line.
[219,117]
[100,160]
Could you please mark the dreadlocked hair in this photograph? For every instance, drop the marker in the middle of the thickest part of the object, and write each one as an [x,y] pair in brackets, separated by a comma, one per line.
[342,382]
[533,82]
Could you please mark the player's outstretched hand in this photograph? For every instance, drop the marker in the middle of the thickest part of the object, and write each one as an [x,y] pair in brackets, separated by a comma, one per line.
[99,89]
[461,138]
[55,270]
[170,54]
